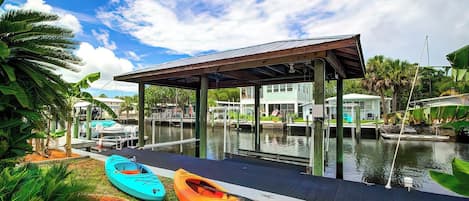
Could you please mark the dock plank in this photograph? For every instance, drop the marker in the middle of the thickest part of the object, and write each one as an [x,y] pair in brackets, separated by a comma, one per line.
[279,180]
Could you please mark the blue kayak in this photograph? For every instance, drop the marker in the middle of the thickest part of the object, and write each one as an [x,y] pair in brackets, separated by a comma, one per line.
[134,178]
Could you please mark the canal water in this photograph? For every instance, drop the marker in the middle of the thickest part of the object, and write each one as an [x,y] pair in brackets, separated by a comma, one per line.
[367,161]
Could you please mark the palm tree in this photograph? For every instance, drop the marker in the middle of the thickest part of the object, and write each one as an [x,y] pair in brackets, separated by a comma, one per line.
[31,49]
[127,105]
[75,94]
[377,81]
[400,75]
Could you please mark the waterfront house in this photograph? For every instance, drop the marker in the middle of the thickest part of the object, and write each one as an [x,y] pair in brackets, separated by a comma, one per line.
[98,113]
[277,99]
[370,106]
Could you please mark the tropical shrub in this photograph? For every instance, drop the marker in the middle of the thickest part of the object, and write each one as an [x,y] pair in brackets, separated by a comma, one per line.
[31,49]
[458,182]
[30,182]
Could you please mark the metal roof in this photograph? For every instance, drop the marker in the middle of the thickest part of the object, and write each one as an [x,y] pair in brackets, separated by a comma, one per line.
[265,62]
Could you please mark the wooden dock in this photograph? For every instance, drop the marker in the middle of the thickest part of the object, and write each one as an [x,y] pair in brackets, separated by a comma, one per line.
[284,180]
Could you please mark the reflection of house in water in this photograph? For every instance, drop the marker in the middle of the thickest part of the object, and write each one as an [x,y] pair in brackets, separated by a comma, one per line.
[97,112]
[277,99]
[370,106]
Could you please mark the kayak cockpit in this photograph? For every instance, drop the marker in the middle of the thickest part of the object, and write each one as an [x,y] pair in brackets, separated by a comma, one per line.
[205,189]
[130,168]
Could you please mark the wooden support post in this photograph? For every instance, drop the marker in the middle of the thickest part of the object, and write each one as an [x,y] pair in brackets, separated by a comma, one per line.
[203,115]
[358,130]
[197,123]
[141,114]
[339,130]
[257,120]
[76,126]
[318,94]
[88,122]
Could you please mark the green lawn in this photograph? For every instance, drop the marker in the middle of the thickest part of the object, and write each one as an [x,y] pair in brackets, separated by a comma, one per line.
[92,172]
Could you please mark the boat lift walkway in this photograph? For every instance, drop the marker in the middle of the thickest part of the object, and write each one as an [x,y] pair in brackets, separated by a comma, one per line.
[278,179]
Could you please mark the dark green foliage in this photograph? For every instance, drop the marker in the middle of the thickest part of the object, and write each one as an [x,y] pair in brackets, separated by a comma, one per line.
[458,182]
[418,114]
[30,182]
[30,50]
[458,126]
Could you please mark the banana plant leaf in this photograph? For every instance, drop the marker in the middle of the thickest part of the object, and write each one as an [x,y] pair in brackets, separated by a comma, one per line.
[459,60]
[458,182]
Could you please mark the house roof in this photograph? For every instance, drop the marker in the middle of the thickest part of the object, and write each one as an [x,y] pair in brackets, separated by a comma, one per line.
[441,98]
[104,100]
[358,97]
[260,64]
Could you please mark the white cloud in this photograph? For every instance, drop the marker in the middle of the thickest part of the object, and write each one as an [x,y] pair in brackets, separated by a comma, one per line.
[132,55]
[102,60]
[394,28]
[66,20]
[103,37]
[241,23]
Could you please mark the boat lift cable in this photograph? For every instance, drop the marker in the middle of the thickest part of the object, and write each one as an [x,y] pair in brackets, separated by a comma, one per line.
[388,184]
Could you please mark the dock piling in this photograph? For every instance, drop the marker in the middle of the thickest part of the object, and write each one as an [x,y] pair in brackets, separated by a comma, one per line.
[318,120]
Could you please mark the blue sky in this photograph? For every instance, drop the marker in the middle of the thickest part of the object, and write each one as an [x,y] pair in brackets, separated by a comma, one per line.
[118,36]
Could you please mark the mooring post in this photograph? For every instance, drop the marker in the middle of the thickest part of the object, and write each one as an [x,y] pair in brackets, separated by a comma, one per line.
[141,114]
[203,115]
[197,122]
[88,122]
[339,130]
[376,128]
[358,129]
[224,131]
[318,120]
[257,120]
[182,133]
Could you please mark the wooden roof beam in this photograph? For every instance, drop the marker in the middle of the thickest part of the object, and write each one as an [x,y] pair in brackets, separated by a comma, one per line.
[262,71]
[239,75]
[276,70]
[331,58]
[348,50]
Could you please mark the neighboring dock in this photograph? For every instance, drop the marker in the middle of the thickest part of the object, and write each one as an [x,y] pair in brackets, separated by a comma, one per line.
[286,180]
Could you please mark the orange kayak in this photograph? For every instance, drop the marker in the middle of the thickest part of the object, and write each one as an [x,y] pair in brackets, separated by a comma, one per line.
[191,187]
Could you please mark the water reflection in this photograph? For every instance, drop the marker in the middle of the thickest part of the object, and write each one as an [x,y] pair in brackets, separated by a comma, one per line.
[368,161]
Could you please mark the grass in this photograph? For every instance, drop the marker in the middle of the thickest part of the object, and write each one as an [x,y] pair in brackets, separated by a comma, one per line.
[92,172]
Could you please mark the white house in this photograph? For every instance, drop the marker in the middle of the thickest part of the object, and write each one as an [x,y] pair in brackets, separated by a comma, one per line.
[278,99]
[370,106]
[113,103]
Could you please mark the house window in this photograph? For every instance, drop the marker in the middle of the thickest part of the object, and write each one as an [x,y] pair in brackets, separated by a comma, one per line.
[282,88]
[289,87]
[269,88]
[276,88]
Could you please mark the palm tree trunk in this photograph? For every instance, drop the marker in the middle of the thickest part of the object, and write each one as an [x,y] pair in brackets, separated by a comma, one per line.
[394,100]
[127,114]
[68,145]
[383,106]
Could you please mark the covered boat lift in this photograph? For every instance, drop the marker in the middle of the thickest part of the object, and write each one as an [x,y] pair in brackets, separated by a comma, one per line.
[291,61]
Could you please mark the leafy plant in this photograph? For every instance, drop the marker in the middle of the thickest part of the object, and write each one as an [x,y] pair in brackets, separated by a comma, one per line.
[458,182]
[75,94]
[31,49]
[30,182]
